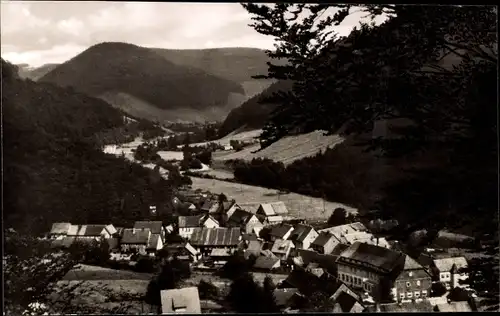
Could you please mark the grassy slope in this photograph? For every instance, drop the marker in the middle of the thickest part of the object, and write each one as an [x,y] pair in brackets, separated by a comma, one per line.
[138,71]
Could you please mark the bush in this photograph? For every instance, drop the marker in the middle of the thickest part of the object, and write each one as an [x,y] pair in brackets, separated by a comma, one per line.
[438,289]
[146,265]
[207,290]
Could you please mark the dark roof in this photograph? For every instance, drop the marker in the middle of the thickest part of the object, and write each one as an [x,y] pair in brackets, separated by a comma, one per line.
[91,230]
[215,237]
[283,296]
[378,258]
[322,239]
[346,302]
[327,262]
[154,226]
[338,249]
[227,205]
[239,217]
[134,236]
[265,262]
[190,221]
[280,230]
[207,205]
[249,237]
[305,282]
[300,232]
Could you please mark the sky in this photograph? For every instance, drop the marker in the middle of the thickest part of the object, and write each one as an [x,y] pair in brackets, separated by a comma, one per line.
[40,32]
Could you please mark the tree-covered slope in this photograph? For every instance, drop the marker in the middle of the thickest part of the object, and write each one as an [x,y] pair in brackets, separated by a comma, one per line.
[53,166]
[144,74]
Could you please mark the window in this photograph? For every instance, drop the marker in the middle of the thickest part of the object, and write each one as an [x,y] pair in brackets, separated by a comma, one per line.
[342,277]
[402,296]
[424,293]
[417,294]
[409,294]
[410,274]
[350,279]
[408,284]
[418,282]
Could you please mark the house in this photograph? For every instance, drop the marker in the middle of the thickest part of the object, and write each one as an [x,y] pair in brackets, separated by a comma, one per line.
[282,231]
[187,224]
[283,297]
[303,236]
[448,270]
[266,210]
[176,301]
[326,262]
[95,232]
[135,240]
[324,243]
[366,238]
[306,283]
[266,263]
[59,230]
[453,307]
[220,256]
[370,268]
[345,229]
[229,207]
[73,231]
[281,248]
[345,303]
[156,227]
[413,283]
[254,248]
[209,206]
[155,243]
[183,251]
[243,219]
[206,239]
[273,220]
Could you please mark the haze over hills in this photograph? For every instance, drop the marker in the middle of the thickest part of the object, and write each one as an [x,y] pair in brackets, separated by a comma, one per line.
[35,73]
[112,68]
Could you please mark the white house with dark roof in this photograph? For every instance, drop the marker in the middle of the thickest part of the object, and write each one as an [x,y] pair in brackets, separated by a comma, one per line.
[303,236]
[283,231]
[325,243]
[95,232]
[448,271]
[156,227]
[180,301]
[187,224]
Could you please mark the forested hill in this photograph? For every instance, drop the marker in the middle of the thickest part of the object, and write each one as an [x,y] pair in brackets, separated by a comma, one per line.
[54,169]
[253,113]
[143,74]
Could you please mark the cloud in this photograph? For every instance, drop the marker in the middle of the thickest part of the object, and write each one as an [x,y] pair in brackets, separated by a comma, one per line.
[46,32]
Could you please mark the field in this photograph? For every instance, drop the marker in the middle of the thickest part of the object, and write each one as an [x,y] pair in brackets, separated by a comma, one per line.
[286,150]
[248,196]
[243,136]
[171,155]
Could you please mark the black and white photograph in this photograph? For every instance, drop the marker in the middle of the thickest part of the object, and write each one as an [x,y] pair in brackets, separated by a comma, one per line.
[256,158]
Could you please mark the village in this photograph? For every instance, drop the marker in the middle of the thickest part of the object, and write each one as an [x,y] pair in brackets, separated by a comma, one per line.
[358,270]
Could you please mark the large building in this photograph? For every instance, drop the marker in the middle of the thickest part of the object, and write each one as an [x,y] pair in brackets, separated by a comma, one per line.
[382,272]
[448,270]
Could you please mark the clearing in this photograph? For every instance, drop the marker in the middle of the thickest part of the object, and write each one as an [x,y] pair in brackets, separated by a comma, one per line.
[286,150]
[249,197]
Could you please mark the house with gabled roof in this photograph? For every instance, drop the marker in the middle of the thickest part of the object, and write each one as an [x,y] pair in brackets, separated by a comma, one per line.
[303,235]
[266,263]
[95,232]
[206,239]
[182,251]
[345,303]
[187,224]
[244,220]
[324,243]
[156,227]
[282,248]
[59,230]
[266,210]
[135,240]
[413,283]
[449,271]
[229,207]
[180,301]
[282,231]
